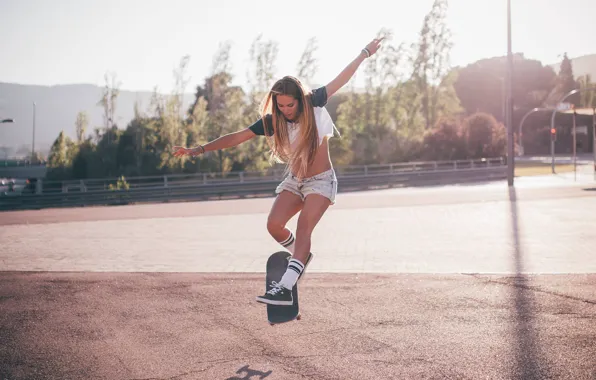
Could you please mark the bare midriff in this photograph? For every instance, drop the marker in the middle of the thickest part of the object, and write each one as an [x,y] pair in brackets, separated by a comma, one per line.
[322,162]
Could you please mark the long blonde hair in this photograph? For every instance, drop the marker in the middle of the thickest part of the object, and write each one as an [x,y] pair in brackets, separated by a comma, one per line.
[279,142]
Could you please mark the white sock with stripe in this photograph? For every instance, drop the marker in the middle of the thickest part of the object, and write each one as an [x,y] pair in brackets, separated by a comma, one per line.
[289,243]
[294,270]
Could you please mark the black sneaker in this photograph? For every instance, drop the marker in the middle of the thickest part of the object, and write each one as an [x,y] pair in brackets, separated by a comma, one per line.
[277,295]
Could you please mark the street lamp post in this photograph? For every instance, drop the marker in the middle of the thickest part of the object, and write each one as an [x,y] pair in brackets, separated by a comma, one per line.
[521,123]
[594,138]
[509,111]
[552,120]
[33,142]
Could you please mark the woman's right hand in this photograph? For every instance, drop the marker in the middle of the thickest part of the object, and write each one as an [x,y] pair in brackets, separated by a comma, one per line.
[180,151]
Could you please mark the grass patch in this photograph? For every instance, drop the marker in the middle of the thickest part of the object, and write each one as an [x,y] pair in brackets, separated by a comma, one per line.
[523,169]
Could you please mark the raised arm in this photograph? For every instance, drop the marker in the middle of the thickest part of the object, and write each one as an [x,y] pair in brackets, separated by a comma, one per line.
[226,141]
[349,71]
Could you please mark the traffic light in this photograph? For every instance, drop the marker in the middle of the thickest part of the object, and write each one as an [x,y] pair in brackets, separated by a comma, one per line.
[553,134]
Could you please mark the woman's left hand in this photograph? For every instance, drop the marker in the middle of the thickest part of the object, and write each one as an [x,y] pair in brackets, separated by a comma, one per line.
[374,45]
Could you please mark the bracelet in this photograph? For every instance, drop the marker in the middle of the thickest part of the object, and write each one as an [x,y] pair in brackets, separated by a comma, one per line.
[202,149]
[365,50]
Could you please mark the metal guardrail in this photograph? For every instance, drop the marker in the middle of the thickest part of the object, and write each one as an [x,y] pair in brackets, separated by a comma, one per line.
[208,186]
[20,163]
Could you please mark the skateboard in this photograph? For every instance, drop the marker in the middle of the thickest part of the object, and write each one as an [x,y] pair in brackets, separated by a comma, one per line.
[276,267]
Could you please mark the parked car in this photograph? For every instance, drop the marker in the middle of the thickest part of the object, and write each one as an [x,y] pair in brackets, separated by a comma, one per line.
[17,186]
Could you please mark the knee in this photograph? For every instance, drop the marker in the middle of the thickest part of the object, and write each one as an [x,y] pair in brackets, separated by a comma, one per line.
[274,225]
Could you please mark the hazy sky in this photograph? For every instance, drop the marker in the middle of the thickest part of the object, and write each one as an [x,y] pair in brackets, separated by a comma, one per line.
[76,41]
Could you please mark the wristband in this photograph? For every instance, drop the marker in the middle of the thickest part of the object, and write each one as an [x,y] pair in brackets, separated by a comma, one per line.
[365,50]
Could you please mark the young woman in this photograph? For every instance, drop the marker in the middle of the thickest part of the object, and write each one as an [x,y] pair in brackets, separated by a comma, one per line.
[297,127]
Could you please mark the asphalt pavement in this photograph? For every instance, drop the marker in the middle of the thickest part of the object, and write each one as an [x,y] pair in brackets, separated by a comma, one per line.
[457,282]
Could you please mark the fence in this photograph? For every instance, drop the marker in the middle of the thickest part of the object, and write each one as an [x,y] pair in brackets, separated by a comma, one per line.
[207,186]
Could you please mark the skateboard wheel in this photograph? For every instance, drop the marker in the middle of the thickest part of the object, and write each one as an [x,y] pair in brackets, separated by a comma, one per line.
[298,317]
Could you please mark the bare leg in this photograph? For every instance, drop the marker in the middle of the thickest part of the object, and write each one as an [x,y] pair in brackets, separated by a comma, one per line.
[313,209]
[286,205]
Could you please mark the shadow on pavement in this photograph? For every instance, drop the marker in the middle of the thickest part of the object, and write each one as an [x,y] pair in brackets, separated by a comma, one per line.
[249,374]
[527,362]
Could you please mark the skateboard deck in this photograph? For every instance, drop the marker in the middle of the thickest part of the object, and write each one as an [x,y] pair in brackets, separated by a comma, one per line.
[276,267]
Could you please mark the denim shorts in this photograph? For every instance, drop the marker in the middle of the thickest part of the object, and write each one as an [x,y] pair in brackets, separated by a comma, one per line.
[324,184]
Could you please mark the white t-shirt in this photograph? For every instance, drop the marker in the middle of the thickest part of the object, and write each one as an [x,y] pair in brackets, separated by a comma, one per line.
[324,123]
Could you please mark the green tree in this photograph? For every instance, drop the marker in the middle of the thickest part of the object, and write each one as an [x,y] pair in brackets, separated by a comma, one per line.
[485,136]
[171,127]
[587,98]
[261,76]
[127,154]
[480,86]
[108,100]
[106,137]
[404,121]
[86,163]
[308,65]
[60,158]
[225,108]
[81,124]
[195,126]
[446,141]
[350,123]
[140,139]
[263,55]
[106,152]
[378,143]
[226,115]
[566,81]
[432,65]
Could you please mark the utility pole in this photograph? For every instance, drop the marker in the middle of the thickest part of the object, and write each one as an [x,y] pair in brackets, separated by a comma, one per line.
[509,111]
[33,142]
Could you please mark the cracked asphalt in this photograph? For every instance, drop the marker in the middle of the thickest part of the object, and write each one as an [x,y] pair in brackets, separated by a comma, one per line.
[411,316]
[354,326]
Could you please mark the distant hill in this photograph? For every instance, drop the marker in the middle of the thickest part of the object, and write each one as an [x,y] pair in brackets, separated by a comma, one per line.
[56,110]
[581,66]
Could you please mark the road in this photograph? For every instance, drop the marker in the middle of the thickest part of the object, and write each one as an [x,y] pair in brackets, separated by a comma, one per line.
[457,282]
